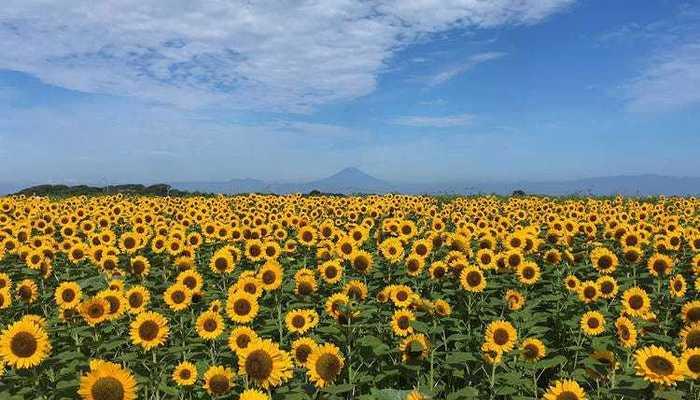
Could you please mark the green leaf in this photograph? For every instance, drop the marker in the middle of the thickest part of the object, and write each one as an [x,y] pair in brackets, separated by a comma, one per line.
[464,393]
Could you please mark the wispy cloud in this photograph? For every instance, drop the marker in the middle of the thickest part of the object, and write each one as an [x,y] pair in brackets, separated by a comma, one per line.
[275,56]
[456,70]
[671,81]
[449,121]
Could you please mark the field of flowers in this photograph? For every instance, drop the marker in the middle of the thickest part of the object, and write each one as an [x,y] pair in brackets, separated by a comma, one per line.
[375,297]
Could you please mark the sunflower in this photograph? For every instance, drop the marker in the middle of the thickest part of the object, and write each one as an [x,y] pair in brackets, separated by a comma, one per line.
[356,290]
[254,250]
[137,299]
[27,291]
[690,336]
[361,261]
[592,323]
[565,389]
[691,312]
[94,310]
[607,286]
[149,330]
[325,364]
[67,295]
[222,262]
[514,299]
[472,279]
[401,322]
[437,270]
[636,303]
[331,271]
[607,361]
[392,250]
[178,297]
[271,275]
[5,280]
[414,348]
[240,338]
[192,279]
[24,344]
[588,292]
[301,348]
[485,258]
[604,260]
[304,285]
[117,303]
[626,332]
[210,325]
[528,273]
[658,365]
[690,361]
[659,264]
[442,308]
[250,284]
[632,254]
[253,394]
[491,353]
[572,283]
[242,307]
[185,374]
[307,236]
[401,295]
[532,349]
[265,364]
[678,286]
[300,321]
[218,380]
[502,334]
[107,381]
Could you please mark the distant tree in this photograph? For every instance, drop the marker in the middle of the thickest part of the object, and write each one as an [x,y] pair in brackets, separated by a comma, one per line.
[518,193]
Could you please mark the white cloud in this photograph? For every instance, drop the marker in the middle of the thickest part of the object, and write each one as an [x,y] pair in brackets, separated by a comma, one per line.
[455,70]
[670,82]
[270,55]
[449,121]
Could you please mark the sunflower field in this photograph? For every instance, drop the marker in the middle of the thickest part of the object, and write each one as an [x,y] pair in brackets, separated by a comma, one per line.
[369,297]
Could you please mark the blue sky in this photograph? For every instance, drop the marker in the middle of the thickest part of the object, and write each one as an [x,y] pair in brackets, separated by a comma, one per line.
[129,91]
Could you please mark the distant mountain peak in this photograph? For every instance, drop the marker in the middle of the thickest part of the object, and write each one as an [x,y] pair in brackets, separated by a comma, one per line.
[352,176]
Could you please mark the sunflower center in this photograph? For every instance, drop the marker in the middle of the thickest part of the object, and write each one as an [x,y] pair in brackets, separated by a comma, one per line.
[23,344]
[403,322]
[220,264]
[242,341]
[567,396]
[328,366]
[625,333]
[298,321]
[185,374]
[135,300]
[129,243]
[694,364]
[68,295]
[210,325]
[107,388]
[138,267]
[474,278]
[219,384]
[331,272]
[190,282]
[258,365]
[606,287]
[25,293]
[593,323]
[659,266]
[531,351]
[528,273]
[255,251]
[305,288]
[241,307]
[268,277]
[659,365]
[178,296]
[439,272]
[148,330]
[302,353]
[113,304]
[95,311]
[694,314]
[401,296]
[636,302]
[501,336]
[692,340]
[589,292]
[604,262]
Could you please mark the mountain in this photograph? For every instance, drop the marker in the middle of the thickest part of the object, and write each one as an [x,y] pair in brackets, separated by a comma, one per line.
[353,180]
